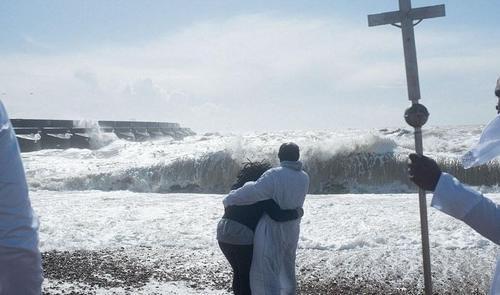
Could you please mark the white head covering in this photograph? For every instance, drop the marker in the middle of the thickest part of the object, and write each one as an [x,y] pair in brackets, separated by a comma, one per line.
[488,147]
[489,143]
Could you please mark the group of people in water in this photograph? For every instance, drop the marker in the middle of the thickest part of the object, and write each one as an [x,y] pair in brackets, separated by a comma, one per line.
[259,231]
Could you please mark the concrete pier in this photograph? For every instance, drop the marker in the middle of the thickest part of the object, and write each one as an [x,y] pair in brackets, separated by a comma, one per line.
[34,134]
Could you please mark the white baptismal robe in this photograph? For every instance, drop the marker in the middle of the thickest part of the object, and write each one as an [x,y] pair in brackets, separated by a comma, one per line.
[20,261]
[275,243]
[18,223]
[470,206]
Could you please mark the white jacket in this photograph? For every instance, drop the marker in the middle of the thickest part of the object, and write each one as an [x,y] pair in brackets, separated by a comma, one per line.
[18,224]
[20,260]
[468,205]
[275,243]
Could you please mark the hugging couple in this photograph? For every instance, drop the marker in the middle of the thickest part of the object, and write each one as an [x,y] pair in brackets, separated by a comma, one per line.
[259,231]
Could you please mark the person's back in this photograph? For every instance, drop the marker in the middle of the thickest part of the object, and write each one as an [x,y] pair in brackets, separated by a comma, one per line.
[20,262]
[235,231]
[280,239]
[275,244]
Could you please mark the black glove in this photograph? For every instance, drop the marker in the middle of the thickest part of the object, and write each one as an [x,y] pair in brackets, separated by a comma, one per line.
[424,172]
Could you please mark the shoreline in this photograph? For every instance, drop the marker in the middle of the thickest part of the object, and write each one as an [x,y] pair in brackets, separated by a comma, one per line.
[145,270]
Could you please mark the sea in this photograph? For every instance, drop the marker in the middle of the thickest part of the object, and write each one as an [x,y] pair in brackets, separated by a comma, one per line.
[157,203]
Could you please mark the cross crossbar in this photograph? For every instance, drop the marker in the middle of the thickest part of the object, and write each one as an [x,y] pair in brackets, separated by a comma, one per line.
[398,16]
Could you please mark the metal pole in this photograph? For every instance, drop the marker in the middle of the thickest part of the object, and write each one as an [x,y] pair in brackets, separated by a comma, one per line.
[417,115]
[424,227]
[411,65]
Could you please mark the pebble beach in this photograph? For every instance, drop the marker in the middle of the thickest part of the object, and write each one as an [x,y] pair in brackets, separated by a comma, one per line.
[142,243]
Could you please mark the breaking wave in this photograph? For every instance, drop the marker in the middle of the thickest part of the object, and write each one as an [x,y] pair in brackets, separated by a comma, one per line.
[337,162]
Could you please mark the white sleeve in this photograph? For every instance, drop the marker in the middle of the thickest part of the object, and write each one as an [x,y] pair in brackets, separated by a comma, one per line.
[11,167]
[468,205]
[485,219]
[252,192]
[453,198]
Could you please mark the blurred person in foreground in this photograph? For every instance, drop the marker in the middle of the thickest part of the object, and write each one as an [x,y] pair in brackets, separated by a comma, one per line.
[20,260]
[275,243]
[235,230]
[458,200]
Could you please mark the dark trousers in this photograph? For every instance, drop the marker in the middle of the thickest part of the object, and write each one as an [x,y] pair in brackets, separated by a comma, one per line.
[240,258]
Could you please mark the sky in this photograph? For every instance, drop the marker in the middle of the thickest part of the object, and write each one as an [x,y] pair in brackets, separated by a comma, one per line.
[244,65]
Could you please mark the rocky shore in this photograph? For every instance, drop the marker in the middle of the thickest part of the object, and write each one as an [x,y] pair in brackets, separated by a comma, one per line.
[132,271]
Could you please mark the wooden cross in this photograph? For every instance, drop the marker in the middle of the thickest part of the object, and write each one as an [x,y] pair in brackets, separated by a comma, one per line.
[417,114]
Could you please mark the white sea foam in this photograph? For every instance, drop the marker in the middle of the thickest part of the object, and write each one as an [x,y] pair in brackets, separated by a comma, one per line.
[373,236]
[339,161]
[101,199]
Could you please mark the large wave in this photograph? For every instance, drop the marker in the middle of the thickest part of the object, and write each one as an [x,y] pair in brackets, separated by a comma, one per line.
[348,161]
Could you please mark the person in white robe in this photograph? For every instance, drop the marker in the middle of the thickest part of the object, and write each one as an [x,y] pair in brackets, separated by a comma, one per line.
[460,201]
[275,243]
[20,260]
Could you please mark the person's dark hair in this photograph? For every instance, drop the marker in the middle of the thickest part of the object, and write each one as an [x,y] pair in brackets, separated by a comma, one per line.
[289,152]
[251,171]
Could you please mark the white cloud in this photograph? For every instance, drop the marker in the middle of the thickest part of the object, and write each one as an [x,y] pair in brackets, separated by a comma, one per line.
[88,78]
[251,72]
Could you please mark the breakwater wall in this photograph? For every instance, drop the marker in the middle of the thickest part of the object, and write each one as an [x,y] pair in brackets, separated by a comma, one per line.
[35,134]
